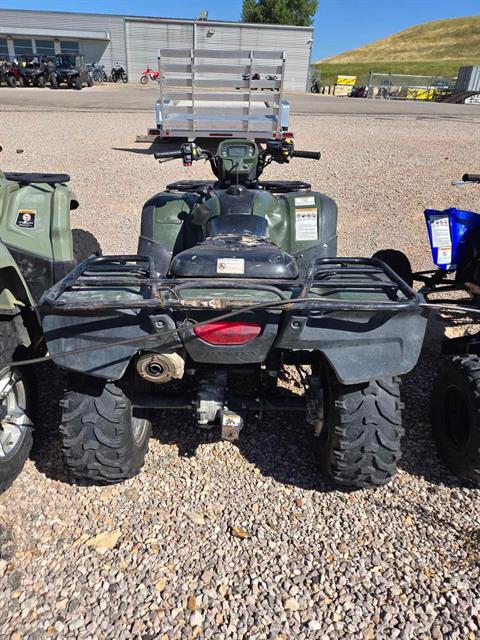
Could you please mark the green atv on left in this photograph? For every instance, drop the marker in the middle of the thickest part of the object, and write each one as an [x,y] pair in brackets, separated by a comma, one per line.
[37,248]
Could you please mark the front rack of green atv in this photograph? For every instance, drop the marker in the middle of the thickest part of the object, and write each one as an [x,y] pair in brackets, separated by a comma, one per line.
[109,283]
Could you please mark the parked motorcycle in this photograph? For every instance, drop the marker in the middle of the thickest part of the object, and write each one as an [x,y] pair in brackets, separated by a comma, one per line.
[149,74]
[119,74]
[359,92]
[97,72]
[315,87]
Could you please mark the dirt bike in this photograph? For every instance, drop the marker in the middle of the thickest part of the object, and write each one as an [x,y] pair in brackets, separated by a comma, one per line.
[149,74]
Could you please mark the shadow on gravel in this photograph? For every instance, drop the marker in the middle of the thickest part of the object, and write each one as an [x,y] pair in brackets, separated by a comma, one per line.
[143,152]
[280,447]
[47,451]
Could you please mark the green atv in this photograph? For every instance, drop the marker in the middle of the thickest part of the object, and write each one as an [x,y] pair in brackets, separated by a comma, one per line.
[37,248]
[236,279]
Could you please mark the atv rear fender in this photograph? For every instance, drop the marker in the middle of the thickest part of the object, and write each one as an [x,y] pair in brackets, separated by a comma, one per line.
[41,246]
[13,288]
[355,312]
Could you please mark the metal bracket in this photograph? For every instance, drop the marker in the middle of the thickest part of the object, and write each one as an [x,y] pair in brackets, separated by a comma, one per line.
[232,424]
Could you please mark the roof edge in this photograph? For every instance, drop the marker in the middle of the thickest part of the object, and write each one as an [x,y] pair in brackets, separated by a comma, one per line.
[136,18]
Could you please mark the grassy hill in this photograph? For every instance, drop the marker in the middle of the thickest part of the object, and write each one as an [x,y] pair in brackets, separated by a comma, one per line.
[434,48]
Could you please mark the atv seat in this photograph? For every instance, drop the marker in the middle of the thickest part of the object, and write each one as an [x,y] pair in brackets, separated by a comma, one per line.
[38,178]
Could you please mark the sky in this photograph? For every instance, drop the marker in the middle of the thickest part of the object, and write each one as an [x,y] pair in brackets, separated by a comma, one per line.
[339,24]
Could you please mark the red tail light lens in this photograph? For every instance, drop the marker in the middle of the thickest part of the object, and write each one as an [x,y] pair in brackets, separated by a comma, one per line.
[228,333]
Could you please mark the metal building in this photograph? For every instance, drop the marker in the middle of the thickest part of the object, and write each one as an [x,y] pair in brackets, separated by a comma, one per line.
[133,41]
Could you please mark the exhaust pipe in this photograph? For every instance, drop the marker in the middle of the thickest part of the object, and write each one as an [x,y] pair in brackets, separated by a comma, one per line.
[160,367]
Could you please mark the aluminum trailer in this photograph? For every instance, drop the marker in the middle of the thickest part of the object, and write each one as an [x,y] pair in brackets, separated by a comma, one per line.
[212,93]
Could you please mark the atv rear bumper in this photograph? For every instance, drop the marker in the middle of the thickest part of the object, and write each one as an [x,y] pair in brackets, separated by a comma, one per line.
[355,311]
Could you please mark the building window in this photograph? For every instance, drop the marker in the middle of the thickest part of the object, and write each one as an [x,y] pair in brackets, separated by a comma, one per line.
[3,48]
[69,46]
[45,47]
[23,47]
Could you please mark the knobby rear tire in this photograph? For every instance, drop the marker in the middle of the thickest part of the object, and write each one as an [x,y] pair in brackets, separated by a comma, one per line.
[398,262]
[455,416]
[85,244]
[99,443]
[360,442]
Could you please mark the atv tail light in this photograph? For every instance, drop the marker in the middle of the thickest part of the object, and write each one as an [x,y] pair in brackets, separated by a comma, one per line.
[228,333]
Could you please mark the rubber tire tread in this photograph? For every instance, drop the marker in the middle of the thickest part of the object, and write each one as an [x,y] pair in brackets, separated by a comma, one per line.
[96,430]
[398,262]
[84,245]
[364,430]
[464,372]
[11,469]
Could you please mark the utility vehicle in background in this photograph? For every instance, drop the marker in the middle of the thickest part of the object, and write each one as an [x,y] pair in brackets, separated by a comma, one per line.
[71,70]
[9,73]
[235,279]
[33,72]
[37,248]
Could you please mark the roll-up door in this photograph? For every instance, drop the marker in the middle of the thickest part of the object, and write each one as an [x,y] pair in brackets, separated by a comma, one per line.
[145,38]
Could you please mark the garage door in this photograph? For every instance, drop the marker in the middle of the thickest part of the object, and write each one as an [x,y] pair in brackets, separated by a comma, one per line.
[145,38]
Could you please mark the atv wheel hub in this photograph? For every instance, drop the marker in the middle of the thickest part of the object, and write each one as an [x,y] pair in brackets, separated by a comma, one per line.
[14,420]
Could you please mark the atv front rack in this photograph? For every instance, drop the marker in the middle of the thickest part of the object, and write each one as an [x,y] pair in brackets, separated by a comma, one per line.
[330,284]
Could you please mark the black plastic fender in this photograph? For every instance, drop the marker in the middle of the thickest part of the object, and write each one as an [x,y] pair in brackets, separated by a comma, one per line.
[67,333]
[359,346]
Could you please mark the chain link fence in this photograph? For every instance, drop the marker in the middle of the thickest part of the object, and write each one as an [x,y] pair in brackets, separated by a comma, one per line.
[394,86]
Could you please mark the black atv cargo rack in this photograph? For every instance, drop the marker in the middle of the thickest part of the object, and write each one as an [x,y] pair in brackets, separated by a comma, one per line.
[366,279]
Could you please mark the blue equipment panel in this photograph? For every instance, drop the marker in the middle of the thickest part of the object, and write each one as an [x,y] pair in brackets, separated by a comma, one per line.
[448,232]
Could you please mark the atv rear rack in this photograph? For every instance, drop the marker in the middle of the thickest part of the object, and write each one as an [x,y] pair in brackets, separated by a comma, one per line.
[365,277]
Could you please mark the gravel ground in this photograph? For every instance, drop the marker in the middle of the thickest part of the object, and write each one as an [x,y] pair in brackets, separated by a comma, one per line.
[215,540]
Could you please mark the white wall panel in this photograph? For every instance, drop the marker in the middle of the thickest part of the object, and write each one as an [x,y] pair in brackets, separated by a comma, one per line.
[145,38]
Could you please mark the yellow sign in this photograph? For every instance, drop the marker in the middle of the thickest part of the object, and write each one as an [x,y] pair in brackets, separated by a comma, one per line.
[346,80]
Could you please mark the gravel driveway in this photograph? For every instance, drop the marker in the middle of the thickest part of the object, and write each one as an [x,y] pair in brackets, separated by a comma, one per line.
[215,540]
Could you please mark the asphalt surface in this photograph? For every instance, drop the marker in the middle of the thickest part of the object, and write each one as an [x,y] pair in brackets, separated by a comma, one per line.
[110,98]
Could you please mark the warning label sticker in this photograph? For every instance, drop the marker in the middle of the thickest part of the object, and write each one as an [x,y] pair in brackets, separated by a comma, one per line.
[306,223]
[26,218]
[305,201]
[444,255]
[231,265]
[440,227]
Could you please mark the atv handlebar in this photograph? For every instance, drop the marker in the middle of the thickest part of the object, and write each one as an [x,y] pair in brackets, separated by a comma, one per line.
[310,155]
[159,155]
[471,177]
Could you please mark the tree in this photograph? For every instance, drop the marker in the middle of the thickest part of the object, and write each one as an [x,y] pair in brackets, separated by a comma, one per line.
[296,12]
